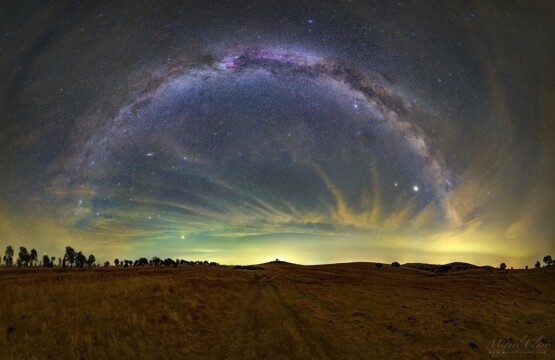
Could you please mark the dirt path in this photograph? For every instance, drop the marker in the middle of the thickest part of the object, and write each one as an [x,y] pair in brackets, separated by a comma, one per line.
[265,325]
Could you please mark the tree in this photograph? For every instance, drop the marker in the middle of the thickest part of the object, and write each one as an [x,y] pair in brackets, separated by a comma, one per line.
[33,256]
[8,256]
[526,267]
[52,260]
[379,266]
[116,261]
[538,264]
[547,260]
[91,260]
[23,256]
[503,266]
[395,264]
[168,262]
[46,261]
[107,264]
[70,255]
[80,259]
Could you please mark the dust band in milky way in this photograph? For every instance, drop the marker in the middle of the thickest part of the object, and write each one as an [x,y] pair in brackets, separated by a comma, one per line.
[385,105]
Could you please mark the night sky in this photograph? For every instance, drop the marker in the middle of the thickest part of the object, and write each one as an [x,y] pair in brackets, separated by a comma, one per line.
[310,131]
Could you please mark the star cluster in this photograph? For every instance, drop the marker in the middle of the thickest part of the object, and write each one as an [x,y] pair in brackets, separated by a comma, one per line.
[315,132]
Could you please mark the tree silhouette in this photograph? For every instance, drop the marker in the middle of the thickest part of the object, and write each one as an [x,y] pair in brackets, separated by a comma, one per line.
[395,264]
[503,266]
[116,261]
[33,256]
[91,260]
[538,264]
[547,260]
[107,264]
[70,255]
[45,261]
[23,256]
[379,266]
[80,259]
[169,262]
[8,256]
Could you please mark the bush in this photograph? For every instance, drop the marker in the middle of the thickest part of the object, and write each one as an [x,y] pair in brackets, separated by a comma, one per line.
[444,268]
[248,267]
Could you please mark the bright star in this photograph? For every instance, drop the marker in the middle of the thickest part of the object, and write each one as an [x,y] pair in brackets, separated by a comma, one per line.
[415,188]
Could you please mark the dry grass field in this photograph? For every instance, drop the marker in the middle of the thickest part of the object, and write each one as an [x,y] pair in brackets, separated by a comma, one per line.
[340,311]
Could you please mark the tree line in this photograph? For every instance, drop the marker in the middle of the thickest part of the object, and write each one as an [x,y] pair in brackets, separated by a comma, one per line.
[547,260]
[77,259]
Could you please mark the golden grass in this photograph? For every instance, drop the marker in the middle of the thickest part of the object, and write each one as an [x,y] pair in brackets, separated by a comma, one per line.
[283,311]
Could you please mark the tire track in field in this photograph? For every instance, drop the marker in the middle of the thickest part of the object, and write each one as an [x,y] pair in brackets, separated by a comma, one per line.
[265,326]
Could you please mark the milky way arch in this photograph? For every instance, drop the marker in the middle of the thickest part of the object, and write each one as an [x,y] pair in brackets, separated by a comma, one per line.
[369,94]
